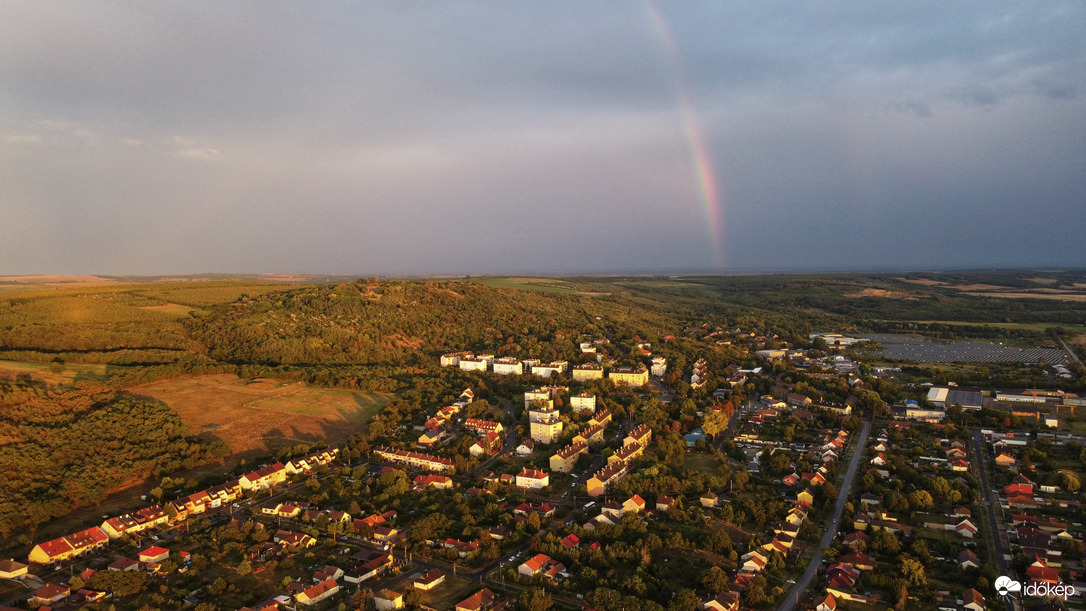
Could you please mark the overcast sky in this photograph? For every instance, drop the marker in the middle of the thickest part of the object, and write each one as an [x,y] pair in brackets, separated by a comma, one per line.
[540,137]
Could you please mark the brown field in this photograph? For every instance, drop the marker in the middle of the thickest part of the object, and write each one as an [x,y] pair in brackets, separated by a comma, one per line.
[448,593]
[175,310]
[1051,296]
[42,372]
[922,281]
[979,287]
[262,414]
[878,293]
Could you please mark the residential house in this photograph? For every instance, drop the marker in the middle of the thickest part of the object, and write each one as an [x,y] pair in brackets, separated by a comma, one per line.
[264,477]
[154,554]
[725,601]
[829,603]
[317,593]
[968,559]
[1005,460]
[429,580]
[534,565]
[476,602]
[387,599]
[9,569]
[50,593]
[973,600]
[532,479]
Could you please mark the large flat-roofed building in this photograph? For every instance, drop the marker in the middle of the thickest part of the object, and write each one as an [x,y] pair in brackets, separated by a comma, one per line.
[476,363]
[941,396]
[508,366]
[588,371]
[638,376]
[583,403]
[550,369]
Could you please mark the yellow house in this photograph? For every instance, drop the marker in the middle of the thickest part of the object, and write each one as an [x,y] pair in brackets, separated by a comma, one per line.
[805,497]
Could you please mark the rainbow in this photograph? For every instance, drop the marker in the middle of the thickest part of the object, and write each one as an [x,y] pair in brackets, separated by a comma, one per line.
[693,135]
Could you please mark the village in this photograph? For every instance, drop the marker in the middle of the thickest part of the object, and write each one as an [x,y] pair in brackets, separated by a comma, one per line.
[780,480]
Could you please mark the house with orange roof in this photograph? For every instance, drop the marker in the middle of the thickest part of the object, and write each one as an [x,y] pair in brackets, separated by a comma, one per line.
[535,565]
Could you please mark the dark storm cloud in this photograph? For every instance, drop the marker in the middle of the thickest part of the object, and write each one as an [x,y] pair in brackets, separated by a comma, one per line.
[464,137]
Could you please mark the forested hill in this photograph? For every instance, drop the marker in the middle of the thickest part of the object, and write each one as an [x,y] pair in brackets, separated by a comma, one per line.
[369,322]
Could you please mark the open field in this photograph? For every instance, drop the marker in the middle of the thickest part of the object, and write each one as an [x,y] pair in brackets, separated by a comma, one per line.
[351,406]
[1027,326]
[701,462]
[1038,295]
[447,593]
[175,310]
[265,414]
[545,285]
[42,372]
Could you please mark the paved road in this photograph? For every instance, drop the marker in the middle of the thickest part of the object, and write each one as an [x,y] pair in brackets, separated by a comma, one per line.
[991,501]
[1070,352]
[790,600]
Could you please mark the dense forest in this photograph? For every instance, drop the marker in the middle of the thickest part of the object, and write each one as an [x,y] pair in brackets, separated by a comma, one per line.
[65,448]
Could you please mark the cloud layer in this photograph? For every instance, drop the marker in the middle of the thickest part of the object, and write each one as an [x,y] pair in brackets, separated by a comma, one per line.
[459,137]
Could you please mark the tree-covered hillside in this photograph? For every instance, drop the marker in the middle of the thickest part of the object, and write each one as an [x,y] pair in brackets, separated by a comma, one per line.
[66,448]
[400,322]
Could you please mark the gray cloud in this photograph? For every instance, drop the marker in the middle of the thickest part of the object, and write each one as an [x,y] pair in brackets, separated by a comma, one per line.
[460,137]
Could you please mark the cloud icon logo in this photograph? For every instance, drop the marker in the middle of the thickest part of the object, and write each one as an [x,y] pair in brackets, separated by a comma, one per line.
[1005,585]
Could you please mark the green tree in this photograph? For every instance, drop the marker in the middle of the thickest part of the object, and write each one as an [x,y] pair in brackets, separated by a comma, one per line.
[534,599]
[912,570]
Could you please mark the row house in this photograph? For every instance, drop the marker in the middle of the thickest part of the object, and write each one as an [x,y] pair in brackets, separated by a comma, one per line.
[611,473]
[265,477]
[414,459]
[482,427]
[135,522]
[65,548]
[211,498]
[308,464]
[565,458]
[640,435]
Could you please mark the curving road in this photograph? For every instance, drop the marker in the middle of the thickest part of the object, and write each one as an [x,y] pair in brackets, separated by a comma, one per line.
[793,596]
